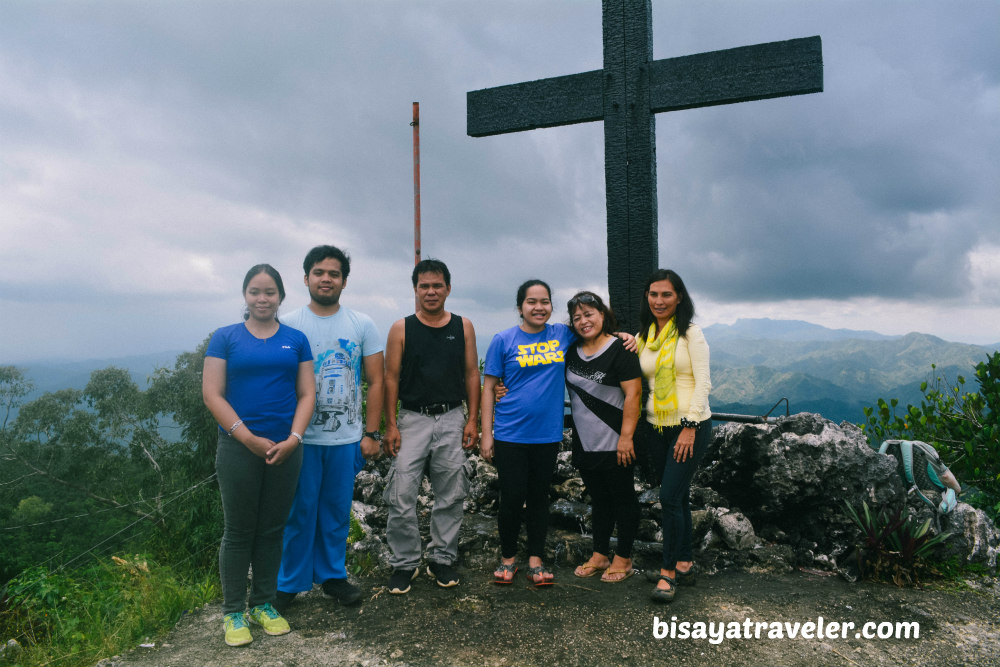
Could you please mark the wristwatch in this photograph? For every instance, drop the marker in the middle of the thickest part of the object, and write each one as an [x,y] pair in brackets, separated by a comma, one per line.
[374,435]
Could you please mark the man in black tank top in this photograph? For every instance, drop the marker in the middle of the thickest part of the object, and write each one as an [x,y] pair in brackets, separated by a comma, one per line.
[431,367]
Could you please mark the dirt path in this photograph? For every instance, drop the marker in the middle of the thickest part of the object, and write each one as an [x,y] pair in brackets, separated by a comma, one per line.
[585,622]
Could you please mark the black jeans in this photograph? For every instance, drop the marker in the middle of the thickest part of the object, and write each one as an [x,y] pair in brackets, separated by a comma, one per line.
[675,486]
[525,474]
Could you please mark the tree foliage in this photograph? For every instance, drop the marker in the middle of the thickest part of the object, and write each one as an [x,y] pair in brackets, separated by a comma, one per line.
[13,388]
[176,393]
[86,473]
[963,425]
[112,465]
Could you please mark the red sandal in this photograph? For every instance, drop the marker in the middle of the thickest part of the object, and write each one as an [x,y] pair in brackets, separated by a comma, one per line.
[539,571]
[502,571]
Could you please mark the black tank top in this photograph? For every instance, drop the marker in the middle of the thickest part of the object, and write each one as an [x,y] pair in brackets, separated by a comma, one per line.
[433,369]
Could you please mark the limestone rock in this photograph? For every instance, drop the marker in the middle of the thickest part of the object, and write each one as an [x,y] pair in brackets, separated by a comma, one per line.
[483,486]
[734,529]
[794,476]
[701,523]
[572,489]
[649,529]
[766,497]
[479,542]
[974,538]
[702,497]
[570,515]
[564,468]
[372,520]
[368,486]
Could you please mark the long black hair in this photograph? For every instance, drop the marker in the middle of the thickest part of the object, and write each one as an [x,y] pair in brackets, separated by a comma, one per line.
[685,307]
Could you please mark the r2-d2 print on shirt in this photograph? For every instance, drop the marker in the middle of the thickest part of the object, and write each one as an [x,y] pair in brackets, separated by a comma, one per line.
[337,390]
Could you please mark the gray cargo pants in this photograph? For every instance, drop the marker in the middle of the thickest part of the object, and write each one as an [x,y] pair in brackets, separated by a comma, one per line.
[423,437]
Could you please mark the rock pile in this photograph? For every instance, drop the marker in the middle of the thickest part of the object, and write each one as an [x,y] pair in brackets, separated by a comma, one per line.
[766,497]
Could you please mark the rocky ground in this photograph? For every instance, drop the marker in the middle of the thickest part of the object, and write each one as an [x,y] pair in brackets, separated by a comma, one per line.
[585,622]
[771,536]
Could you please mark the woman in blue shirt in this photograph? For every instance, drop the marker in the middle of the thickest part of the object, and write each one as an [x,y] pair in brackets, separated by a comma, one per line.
[258,383]
[522,432]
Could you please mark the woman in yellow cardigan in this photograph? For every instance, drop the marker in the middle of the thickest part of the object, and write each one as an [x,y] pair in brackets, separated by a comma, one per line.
[673,356]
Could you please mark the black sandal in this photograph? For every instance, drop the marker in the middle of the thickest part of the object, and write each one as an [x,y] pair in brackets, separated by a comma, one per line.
[689,578]
[661,595]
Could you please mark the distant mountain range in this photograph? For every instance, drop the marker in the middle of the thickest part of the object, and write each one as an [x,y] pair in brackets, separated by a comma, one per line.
[62,374]
[755,363]
[785,330]
[835,372]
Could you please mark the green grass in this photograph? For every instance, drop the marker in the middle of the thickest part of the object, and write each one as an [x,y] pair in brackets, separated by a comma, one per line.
[358,564]
[70,619]
[954,574]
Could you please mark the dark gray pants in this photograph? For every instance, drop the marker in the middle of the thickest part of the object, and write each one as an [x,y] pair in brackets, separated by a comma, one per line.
[256,499]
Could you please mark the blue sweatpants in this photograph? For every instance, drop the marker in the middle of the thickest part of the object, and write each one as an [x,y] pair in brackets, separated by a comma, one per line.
[315,544]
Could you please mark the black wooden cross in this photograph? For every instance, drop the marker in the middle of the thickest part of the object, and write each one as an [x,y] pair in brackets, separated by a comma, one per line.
[626,94]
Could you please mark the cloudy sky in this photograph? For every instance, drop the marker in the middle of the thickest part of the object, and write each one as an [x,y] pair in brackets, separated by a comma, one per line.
[151,152]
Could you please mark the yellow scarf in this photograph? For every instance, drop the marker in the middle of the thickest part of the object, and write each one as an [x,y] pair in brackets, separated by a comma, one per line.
[665,378]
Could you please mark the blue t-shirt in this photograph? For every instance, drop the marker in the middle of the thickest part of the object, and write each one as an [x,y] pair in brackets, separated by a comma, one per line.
[261,375]
[532,367]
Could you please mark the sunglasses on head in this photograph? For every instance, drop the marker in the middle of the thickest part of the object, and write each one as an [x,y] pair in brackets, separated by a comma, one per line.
[585,298]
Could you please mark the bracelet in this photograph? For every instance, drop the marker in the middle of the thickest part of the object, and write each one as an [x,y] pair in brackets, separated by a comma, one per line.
[297,436]
[688,423]
[235,426]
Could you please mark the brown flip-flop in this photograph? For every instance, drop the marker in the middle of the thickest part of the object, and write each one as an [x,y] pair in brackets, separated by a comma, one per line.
[628,573]
[590,570]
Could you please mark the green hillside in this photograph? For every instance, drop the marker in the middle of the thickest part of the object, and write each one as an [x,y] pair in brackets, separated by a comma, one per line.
[835,375]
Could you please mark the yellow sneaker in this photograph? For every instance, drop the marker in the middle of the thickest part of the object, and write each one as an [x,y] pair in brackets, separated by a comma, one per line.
[237,630]
[268,618]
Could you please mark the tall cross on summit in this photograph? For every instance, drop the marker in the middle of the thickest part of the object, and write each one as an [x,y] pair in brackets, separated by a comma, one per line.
[626,94]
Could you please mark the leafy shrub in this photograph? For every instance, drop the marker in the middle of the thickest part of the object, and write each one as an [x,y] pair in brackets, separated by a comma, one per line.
[893,546]
[358,563]
[964,427]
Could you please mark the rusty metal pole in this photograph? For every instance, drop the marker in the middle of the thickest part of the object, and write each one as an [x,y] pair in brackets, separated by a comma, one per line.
[416,182]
